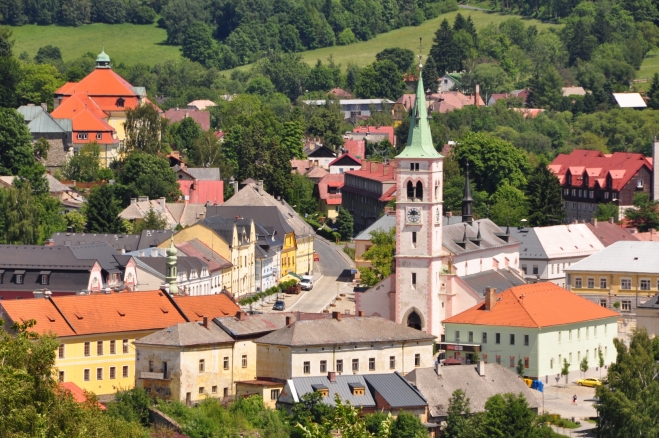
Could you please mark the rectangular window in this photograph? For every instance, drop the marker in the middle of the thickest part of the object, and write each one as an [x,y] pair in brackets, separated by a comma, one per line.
[577,282]
[595,331]
[626,283]
[306,367]
[244,361]
[225,392]
[578,334]
[355,365]
[579,356]
[526,340]
[457,336]
[569,332]
[392,362]
[60,351]
[125,344]
[99,348]
[526,362]
[124,371]
[497,338]
[512,361]
[225,362]
[570,359]
[202,365]
[590,282]
[603,303]
[560,335]
[274,394]
[587,332]
[339,365]
[99,136]
[413,239]
[19,279]
[602,282]
[201,390]
[524,269]
[413,279]
[113,347]
[99,373]
[371,364]
[512,339]
[626,306]
[214,389]
[606,195]
[44,279]
[535,269]
[87,349]
[60,376]
[323,366]
[484,341]
[591,194]
[645,284]
[471,336]
[417,360]
[82,136]
[580,192]
[113,372]
[498,359]
[85,375]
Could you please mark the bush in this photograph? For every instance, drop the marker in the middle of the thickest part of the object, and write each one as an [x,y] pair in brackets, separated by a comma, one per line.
[433,10]
[266,293]
[346,37]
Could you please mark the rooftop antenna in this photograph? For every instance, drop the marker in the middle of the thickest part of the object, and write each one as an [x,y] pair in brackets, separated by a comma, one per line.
[420,55]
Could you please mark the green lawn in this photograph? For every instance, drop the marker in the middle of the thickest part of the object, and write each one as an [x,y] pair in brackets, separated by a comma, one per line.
[363,53]
[128,43]
[649,67]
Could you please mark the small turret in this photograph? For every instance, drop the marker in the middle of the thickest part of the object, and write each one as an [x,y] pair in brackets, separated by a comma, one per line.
[172,269]
[467,200]
[103,60]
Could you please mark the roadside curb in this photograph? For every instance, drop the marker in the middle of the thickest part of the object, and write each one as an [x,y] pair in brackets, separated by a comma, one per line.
[343,255]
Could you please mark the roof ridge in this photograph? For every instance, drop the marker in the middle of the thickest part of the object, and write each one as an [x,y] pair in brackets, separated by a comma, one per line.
[521,302]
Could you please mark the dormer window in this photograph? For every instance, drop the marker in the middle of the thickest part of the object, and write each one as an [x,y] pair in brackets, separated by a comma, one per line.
[99,136]
[585,179]
[82,136]
[569,178]
[357,388]
[120,102]
[321,389]
[18,276]
[44,277]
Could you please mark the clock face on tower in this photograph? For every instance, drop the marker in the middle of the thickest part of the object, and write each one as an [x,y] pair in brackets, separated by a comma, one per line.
[413,215]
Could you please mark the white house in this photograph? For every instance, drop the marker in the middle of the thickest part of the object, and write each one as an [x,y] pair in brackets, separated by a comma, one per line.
[267,256]
[545,252]
[540,324]
[345,163]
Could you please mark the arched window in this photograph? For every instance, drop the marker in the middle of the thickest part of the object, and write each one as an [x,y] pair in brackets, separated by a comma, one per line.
[410,190]
[414,321]
[419,190]
[437,192]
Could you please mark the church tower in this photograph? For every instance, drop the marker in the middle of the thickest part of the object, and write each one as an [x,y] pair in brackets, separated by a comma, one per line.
[467,200]
[419,225]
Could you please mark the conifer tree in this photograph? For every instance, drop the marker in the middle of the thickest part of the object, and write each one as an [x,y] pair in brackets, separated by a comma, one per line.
[103,211]
[444,51]
[430,74]
[653,92]
[544,197]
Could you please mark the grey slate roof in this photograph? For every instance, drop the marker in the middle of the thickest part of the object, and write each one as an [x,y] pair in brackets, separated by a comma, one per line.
[101,252]
[531,248]
[397,391]
[345,331]
[44,123]
[152,238]
[183,264]
[652,303]
[224,228]
[29,112]
[501,279]
[300,386]
[186,335]
[259,324]
[385,223]
[268,216]
[624,256]
[126,242]
[203,173]
[438,390]
[491,237]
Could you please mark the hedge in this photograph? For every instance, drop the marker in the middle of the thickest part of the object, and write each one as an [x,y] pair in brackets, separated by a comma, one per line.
[266,293]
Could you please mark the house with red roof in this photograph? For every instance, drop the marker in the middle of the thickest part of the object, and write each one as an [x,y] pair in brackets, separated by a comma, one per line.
[368,190]
[329,194]
[373,134]
[542,325]
[97,106]
[589,178]
[345,163]
[355,147]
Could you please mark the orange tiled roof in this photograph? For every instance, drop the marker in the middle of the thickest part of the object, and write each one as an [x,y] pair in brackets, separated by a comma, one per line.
[534,305]
[213,306]
[76,392]
[100,82]
[41,310]
[85,114]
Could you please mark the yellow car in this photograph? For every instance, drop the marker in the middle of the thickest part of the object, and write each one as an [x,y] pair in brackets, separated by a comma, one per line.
[591,381]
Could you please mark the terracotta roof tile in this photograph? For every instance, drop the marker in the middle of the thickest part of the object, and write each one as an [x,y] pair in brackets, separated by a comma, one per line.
[77,393]
[387,130]
[335,180]
[48,318]
[357,148]
[100,82]
[534,305]
[213,306]
[202,191]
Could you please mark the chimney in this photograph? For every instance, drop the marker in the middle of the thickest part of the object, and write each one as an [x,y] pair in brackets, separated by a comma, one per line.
[611,220]
[259,184]
[49,242]
[241,316]
[289,321]
[154,252]
[655,171]
[205,322]
[163,201]
[44,106]
[336,315]
[490,297]
[385,170]
[449,214]
[235,187]
[477,95]
[360,313]
[374,167]
[365,165]
[438,368]
[481,368]
[593,221]
[133,201]
[331,375]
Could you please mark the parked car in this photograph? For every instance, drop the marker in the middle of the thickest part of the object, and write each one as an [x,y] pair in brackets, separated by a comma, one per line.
[590,381]
[279,305]
[307,282]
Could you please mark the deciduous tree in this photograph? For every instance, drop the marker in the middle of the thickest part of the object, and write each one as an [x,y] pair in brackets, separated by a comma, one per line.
[381,256]
[15,142]
[644,215]
[544,196]
[144,129]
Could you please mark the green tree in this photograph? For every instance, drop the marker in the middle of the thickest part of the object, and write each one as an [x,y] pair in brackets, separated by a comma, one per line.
[152,221]
[206,151]
[85,165]
[653,92]
[606,211]
[626,408]
[644,215]
[345,224]
[327,123]
[443,51]
[198,44]
[38,83]
[183,134]
[145,128]
[430,74]
[520,367]
[149,175]
[15,142]
[408,426]
[403,58]
[320,78]
[102,211]
[381,256]
[286,71]
[346,37]
[108,11]
[509,415]
[310,409]
[10,70]
[131,404]
[49,55]
[545,89]
[544,195]
[458,416]
[75,220]
[292,140]
[20,216]
[300,194]
[380,80]
[565,370]
[583,366]
[508,205]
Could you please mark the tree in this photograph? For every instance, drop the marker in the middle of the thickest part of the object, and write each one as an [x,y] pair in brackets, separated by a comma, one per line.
[300,194]
[407,426]
[183,134]
[508,205]
[583,366]
[344,224]
[320,78]
[458,416]
[381,256]
[565,371]
[152,221]
[76,221]
[20,216]
[74,12]
[443,51]
[627,406]
[327,123]
[108,11]
[286,71]
[149,175]
[520,367]
[38,83]
[606,211]
[206,151]
[653,92]
[292,140]
[544,196]
[509,415]
[198,44]
[15,142]
[644,215]
[85,165]
[429,74]
[49,55]
[102,211]
[311,409]
[545,89]
[403,58]
[380,80]
[10,71]
[144,128]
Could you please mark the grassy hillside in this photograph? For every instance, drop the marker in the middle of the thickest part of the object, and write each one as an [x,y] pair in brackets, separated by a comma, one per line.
[649,67]
[363,53]
[128,43]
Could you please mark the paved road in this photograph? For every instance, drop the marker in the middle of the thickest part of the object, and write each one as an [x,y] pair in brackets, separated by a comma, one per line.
[335,279]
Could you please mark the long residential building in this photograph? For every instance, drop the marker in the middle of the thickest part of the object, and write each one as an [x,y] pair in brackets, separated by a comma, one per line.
[367,191]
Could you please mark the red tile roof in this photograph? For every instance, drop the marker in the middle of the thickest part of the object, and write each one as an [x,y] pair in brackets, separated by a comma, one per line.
[388,130]
[356,160]
[389,195]
[87,117]
[340,93]
[450,100]
[203,118]
[407,100]
[356,148]
[202,191]
[376,171]
[335,180]
[76,392]
[100,82]
[41,310]
[620,166]
[534,305]
[213,306]
[197,248]
[609,234]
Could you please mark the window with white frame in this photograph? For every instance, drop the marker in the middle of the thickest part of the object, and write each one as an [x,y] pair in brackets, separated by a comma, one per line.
[626,283]
[645,284]
[82,136]
[626,306]
[603,283]
[577,282]
[590,282]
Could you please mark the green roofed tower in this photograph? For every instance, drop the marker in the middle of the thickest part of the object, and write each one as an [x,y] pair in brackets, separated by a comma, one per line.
[419,139]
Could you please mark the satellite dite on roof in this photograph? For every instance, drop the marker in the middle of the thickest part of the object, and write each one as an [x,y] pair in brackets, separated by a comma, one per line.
[629,100]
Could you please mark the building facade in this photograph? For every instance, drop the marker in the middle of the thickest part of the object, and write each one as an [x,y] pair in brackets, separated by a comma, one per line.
[367,191]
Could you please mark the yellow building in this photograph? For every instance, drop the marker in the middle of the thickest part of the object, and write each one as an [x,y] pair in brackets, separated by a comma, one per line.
[624,275]
[234,240]
[97,332]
